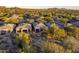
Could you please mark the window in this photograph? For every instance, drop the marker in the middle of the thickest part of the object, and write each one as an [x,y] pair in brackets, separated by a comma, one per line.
[25,31]
[37,30]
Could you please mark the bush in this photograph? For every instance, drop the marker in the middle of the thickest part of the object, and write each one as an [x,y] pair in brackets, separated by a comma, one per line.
[71,44]
[76,32]
[26,43]
[52,47]
[25,37]
[58,33]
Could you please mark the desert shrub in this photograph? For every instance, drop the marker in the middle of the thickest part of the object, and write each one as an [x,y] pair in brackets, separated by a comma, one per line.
[49,19]
[25,37]
[26,42]
[58,33]
[52,47]
[71,44]
[29,49]
[76,32]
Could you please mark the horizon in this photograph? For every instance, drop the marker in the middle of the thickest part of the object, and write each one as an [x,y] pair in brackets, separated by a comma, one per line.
[44,7]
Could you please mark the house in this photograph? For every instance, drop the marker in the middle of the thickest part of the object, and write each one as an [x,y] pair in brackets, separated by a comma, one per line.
[26,17]
[69,25]
[39,27]
[37,19]
[7,27]
[74,22]
[23,27]
[15,16]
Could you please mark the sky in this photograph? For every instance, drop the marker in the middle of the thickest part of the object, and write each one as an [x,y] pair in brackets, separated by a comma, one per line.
[69,4]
